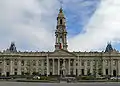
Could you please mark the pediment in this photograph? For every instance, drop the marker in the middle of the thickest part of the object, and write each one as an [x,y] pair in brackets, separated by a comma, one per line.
[64,53]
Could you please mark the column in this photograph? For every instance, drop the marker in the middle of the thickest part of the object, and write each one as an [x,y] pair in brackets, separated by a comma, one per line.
[25,65]
[118,67]
[11,68]
[78,66]
[64,70]
[96,68]
[74,71]
[58,66]
[53,67]
[79,69]
[111,67]
[37,66]
[85,69]
[19,67]
[68,66]
[91,67]
[47,65]
[4,68]
[103,67]
[42,65]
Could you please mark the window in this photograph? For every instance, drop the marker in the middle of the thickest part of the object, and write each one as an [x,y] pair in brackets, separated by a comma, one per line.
[8,61]
[76,64]
[22,62]
[82,62]
[28,63]
[71,63]
[39,62]
[88,63]
[94,62]
[114,62]
[60,21]
[106,62]
[0,63]
[34,63]
[45,63]
[15,62]
[15,69]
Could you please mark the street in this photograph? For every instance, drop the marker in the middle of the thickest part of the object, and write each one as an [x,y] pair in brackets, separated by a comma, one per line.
[57,84]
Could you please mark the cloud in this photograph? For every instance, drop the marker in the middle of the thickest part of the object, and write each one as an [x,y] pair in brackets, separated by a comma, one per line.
[29,23]
[78,13]
[104,26]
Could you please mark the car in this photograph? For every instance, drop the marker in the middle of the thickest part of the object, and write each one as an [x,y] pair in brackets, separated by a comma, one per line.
[114,78]
[36,77]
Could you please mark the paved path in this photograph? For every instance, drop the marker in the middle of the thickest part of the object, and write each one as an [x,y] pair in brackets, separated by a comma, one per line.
[56,84]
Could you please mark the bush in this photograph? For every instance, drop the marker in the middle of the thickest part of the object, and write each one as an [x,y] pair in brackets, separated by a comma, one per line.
[43,77]
[87,78]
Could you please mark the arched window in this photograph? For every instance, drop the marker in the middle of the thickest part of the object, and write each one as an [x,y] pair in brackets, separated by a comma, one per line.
[60,21]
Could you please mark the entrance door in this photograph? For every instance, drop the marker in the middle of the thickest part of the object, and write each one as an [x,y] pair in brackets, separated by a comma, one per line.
[7,74]
[114,72]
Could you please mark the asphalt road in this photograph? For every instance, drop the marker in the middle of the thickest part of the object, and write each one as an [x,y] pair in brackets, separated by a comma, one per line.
[56,84]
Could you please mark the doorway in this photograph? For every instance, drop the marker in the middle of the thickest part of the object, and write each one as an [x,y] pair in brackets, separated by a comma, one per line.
[7,74]
[114,72]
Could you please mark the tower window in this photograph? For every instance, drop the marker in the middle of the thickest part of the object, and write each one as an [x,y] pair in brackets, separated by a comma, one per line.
[60,21]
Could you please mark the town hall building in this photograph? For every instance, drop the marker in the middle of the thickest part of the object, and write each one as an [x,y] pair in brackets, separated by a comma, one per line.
[60,61]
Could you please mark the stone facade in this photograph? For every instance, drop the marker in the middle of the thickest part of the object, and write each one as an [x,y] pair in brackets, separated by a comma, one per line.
[61,61]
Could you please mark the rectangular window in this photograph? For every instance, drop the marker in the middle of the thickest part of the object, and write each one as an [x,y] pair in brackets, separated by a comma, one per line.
[15,62]
[0,63]
[15,69]
[82,62]
[106,62]
[39,62]
[22,62]
[7,61]
[114,63]
[34,63]
[88,63]
[28,63]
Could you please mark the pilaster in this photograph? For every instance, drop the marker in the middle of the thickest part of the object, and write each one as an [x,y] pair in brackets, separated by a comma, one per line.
[74,71]
[85,65]
[48,66]
[4,68]
[58,66]
[103,67]
[11,67]
[68,66]
[91,67]
[53,67]
[19,67]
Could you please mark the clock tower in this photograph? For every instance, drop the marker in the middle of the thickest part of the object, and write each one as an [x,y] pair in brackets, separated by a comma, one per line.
[61,33]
